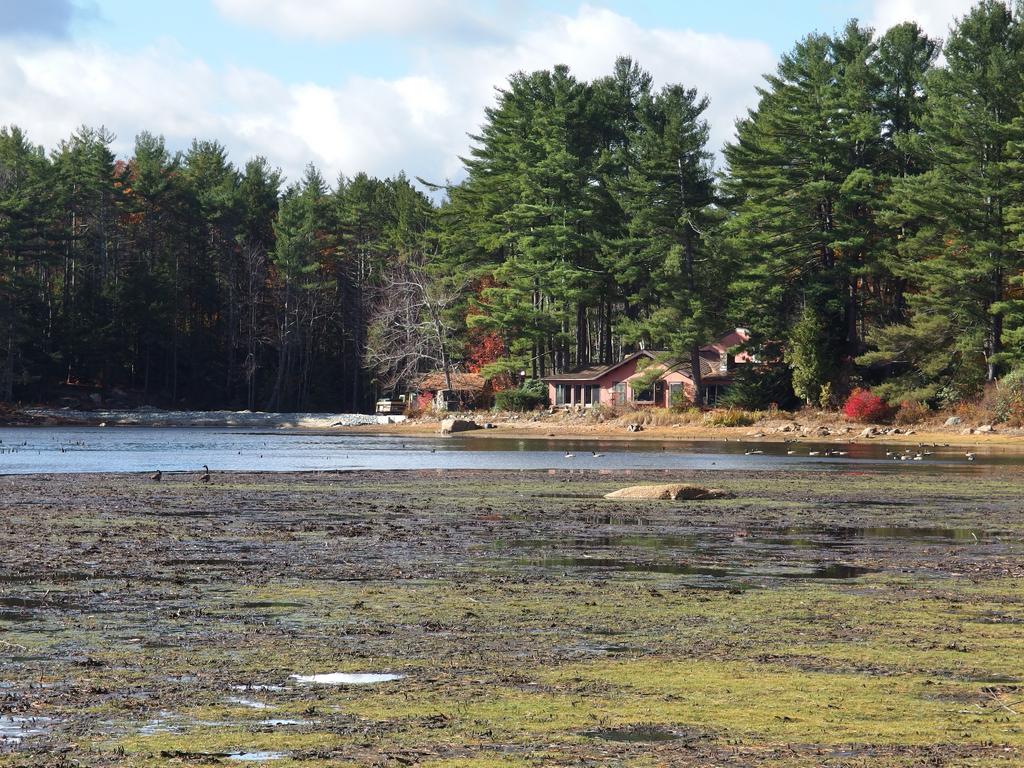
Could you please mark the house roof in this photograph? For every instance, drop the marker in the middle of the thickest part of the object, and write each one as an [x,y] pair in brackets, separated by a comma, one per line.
[594,372]
[710,356]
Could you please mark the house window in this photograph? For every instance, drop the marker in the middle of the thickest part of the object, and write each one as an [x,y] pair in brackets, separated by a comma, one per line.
[713,394]
[676,395]
[645,395]
[619,392]
[561,394]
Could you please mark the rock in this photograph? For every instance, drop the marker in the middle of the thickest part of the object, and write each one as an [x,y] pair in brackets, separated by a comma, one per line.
[673,491]
[952,421]
[451,426]
[868,432]
[985,428]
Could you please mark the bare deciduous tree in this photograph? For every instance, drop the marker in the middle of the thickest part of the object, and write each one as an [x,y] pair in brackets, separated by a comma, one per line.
[410,328]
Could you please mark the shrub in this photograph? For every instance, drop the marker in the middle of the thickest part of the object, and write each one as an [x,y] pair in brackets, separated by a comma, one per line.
[1009,399]
[532,394]
[680,401]
[911,412]
[730,417]
[601,412]
[862,405]
[758,385]
[413,408]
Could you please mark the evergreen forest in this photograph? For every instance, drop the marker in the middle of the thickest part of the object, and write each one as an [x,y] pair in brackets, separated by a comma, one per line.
[865,223]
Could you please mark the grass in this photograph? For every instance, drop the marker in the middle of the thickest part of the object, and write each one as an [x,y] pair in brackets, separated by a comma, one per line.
[732,417]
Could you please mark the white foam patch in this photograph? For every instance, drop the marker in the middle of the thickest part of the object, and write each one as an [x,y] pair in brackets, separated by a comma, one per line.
[347,678]
[251,703]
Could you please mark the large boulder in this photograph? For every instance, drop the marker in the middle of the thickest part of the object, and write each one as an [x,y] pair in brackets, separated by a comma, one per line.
[673,491]
[952,421]
[451,426]
[985,428]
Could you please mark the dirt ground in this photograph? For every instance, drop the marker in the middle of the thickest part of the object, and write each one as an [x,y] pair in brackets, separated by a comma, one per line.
[820,618]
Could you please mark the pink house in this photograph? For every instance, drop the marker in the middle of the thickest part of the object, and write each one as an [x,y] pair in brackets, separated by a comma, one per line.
[629,380]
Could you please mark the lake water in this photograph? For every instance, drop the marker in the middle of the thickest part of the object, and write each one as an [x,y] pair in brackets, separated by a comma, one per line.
[179,449]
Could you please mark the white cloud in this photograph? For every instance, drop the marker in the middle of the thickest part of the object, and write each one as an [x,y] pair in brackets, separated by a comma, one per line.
[933,16]
[347,19]
[418,122]
[725,68]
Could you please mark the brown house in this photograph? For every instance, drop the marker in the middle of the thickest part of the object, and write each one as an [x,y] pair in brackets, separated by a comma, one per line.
[468,390]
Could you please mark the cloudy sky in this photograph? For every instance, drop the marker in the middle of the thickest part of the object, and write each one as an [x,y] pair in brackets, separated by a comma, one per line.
[381,85]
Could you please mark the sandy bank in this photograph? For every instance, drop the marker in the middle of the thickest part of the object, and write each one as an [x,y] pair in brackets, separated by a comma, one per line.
[800,429]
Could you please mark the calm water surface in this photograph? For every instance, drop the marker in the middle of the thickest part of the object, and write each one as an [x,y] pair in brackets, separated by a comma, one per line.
[175,449]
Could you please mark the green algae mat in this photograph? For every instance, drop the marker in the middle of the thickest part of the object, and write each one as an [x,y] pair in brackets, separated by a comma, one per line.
[512,619]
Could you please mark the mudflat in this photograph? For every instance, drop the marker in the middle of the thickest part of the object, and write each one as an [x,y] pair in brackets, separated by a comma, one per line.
[464,618]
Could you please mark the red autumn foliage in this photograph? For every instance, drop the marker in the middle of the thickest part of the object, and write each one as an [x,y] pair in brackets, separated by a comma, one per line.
[483,349]
[861,405]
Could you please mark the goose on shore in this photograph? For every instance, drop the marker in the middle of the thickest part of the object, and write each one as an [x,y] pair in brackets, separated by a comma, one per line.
[970,455]
[157,476]
[205,477]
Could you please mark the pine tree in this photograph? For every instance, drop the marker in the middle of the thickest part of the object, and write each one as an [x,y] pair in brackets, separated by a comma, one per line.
[25,229]
[959,251]
[785,180]
[667,197]
[303,242]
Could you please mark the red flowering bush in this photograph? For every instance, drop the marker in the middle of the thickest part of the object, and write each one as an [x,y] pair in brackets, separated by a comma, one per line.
[861,405]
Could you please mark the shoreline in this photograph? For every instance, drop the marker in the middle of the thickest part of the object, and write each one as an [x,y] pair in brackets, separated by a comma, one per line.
[795,428]
[757,433]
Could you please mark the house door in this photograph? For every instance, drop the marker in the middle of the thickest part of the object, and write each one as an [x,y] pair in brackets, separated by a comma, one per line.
[659,393]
